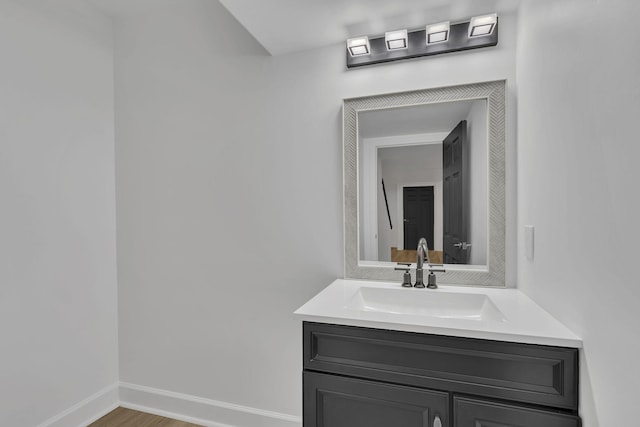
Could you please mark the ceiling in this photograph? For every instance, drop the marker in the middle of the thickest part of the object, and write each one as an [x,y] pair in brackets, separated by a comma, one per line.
[428,118]
[285,26]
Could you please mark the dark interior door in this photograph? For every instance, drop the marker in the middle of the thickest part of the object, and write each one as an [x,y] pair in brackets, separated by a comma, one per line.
[455,194]
[417,205]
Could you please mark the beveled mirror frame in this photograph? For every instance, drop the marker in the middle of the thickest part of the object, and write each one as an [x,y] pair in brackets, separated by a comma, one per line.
[494,92]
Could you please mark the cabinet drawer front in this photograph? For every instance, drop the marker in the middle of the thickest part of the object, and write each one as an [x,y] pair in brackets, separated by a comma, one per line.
[333,401]
[477,413]
[521,372]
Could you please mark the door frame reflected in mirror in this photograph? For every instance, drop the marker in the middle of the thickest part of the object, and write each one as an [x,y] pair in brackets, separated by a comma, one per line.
[369,153]
[494,93]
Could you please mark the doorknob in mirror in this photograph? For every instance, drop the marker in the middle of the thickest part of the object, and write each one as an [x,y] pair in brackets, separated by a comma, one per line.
[462,245]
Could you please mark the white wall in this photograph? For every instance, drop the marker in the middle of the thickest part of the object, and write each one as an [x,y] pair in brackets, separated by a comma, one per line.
[578,151]
[214,138]
[383,234]
[58,316]
[478,182]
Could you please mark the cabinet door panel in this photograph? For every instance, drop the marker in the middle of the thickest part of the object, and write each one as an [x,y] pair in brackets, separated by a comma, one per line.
[333,401]
[477,413]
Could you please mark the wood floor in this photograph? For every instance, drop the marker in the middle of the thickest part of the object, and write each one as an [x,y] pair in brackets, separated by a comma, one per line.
[121,417]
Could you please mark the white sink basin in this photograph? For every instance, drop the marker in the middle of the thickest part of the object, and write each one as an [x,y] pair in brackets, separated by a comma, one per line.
[504,314]
[424,302]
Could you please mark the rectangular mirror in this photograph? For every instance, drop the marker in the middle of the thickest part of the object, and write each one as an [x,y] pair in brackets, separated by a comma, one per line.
[427,164]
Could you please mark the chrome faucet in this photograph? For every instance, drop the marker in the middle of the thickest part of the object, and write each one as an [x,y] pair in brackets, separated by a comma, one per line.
[423,253]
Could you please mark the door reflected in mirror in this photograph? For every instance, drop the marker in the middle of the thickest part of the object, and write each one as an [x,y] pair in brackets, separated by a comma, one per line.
[423,173]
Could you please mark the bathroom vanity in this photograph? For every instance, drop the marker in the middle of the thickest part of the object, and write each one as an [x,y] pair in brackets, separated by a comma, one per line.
[480,355]
[475,357]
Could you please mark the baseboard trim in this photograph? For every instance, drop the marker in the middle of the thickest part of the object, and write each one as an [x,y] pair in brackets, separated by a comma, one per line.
[198,410]
[88,410]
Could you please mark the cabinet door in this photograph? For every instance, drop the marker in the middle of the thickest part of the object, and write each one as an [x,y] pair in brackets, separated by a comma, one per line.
[477,413]
[333,401]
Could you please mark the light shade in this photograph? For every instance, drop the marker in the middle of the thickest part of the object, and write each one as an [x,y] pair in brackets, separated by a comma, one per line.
[396,39]
[436,39]
[438,33]
[482,25]
[359,46]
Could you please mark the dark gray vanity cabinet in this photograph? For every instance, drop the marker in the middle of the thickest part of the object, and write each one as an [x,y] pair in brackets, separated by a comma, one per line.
[334,401]
[370,377]
[477,413]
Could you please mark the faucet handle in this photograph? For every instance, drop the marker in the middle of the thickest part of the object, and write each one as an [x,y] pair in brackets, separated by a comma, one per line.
[431,278]
[436,268]
[406,278]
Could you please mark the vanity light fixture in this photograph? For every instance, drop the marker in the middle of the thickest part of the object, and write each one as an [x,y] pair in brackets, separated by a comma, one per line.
[482,25]
[396,39]
[359,46]
[433,39]
[438,33]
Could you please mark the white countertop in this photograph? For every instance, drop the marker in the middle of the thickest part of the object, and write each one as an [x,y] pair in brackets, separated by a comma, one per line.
[522,320]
